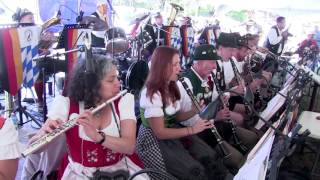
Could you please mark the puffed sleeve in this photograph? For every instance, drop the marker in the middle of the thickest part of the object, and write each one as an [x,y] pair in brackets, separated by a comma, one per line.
[59,108]
[10,147]
[151,108]
[126,107]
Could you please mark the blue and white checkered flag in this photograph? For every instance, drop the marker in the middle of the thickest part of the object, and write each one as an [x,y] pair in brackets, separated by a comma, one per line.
[176,42]
[30,69]
[191,45]
[29,39]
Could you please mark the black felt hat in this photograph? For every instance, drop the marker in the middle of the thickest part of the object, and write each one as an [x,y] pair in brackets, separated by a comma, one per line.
[233,40]
[205,52]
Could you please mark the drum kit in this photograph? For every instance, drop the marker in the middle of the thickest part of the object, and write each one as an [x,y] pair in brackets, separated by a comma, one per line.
[132,51]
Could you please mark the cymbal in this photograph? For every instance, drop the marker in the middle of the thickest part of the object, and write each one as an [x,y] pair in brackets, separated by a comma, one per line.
[139,19]
[96,23]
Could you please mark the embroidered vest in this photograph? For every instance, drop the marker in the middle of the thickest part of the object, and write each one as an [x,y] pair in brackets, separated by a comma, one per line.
[200,92]
[168,120]
[92,154]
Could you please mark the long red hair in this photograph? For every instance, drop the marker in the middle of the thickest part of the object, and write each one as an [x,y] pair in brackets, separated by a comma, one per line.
[159,74]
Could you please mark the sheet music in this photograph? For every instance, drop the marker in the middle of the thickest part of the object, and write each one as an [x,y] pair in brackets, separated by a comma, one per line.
[257,167]
[273,106]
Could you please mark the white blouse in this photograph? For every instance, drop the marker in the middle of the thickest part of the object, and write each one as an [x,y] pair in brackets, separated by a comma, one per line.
[154,108]
[60,110]
[10,147]
[228,70]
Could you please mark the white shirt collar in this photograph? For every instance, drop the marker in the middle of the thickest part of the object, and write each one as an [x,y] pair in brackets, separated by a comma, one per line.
[204,83]
[101,16]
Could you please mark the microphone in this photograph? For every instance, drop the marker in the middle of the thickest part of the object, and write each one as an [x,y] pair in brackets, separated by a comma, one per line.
[91,77]
[79,18]
[58,13]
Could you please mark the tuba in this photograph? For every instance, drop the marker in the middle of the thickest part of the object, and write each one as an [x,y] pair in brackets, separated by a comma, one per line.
[173,13]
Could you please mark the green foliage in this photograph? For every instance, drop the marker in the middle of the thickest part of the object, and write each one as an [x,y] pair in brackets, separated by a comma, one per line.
[238,15]
[206,11]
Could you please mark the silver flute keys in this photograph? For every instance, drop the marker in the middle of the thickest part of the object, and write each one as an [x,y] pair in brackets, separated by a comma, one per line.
[64,127]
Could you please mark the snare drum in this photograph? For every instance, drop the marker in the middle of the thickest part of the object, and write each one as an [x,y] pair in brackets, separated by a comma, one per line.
[172,36]
[116,41]
[136,75]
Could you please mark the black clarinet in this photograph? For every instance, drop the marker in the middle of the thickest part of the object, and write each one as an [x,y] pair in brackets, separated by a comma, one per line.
[239,81]
[257,93]
[214,130]
[238,143]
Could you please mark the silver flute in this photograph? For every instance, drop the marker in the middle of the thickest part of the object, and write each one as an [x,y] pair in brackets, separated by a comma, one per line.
[36,145]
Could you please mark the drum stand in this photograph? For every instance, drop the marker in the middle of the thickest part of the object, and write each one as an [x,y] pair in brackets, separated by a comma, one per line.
[23,111]
[113,12]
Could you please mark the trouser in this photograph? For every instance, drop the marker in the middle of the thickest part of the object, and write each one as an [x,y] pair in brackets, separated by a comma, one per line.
[235,159]
[186,158]
[191,158]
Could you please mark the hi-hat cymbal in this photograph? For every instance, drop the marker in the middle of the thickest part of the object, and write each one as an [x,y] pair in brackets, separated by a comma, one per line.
[139,19]
[96,23]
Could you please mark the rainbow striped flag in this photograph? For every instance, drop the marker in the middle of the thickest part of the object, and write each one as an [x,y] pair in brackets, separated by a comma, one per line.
[17,48]
[74,38]
[10,61]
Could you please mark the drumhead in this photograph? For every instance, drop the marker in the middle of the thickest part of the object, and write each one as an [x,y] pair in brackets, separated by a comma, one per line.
[116,41]
[136,75]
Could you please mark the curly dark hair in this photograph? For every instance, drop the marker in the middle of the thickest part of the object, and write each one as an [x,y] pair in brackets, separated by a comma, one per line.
[20,13]
[78,88]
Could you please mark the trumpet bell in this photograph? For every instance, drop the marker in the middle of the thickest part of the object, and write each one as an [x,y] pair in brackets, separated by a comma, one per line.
[50,22]
[177,7]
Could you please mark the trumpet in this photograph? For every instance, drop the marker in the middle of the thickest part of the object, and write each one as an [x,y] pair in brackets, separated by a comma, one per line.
[64,127]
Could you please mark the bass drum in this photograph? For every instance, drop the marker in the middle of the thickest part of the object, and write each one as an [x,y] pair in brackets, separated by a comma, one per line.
[136,76]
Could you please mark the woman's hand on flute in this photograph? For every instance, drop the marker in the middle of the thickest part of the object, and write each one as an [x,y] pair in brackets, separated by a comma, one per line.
[46,128]
[86,120]
[49,126]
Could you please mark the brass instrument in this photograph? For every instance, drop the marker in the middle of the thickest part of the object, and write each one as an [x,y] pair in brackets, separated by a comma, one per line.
[50,22]
[175,9]
[44,43]
[36,145]
[214,130]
